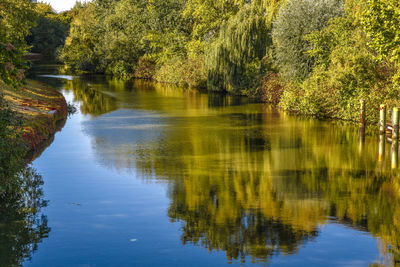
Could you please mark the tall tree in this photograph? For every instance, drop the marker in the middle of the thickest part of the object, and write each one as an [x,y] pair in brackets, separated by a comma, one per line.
[79,49]
[235,58]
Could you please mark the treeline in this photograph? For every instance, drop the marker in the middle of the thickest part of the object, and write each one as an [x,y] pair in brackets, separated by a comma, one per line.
[47,35]
[219,44]
[317,57]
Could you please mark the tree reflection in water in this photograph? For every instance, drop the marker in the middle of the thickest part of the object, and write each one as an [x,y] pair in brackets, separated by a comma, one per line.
[22,224]
[244,179]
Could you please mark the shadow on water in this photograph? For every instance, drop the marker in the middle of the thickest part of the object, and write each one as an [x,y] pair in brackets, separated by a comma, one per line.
[22,223]
[33,154]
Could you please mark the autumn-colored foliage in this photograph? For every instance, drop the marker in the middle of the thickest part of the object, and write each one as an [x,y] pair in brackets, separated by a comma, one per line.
[40,107]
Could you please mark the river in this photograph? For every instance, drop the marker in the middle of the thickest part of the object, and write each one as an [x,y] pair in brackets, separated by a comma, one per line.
[146,174]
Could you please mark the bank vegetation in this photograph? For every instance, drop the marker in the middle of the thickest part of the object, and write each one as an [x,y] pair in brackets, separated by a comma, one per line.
[29,111]
[311,57]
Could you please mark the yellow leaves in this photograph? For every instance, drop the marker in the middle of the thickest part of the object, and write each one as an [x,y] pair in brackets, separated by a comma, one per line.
[44,9]
[17,19]
[195,48]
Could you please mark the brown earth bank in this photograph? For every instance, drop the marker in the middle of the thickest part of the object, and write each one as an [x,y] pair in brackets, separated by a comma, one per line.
[42,108]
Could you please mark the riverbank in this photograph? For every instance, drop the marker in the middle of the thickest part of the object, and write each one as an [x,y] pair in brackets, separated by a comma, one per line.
[41,107]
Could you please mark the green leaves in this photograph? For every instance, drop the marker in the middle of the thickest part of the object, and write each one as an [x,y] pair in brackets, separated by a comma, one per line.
[49,33]
[111,37]
[234,59]
[12,150]
[208,15]
[294,21]
[16,18]
[381,22]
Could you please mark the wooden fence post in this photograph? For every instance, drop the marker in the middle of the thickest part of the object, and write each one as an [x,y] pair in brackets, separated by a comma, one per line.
[382,119]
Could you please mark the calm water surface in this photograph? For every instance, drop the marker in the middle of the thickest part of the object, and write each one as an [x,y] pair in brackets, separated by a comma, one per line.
[151,175]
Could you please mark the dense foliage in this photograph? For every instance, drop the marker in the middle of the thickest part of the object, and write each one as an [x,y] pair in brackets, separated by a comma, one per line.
[381,22]
[11,147]
[49,33]
[16,19]
[234,59]
[312,57]
[346,70]
[111,37]
[294,21]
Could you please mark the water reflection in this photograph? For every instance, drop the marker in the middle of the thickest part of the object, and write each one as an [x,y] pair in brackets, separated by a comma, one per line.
[395,154]
[93,102]
[22,224]
[244,179]
[382,145]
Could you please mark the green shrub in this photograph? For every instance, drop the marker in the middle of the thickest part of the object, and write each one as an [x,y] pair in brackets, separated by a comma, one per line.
[294,21]
[271,89]
[346,71]
[170,71]
[184,72]
[16,18]
[145,68]
[194,72]
[12,63]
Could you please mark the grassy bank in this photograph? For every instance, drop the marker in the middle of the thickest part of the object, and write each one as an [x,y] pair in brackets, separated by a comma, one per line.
[40,107]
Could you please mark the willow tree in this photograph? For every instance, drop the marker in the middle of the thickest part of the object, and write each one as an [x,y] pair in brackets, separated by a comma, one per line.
[207,17]
[234,60]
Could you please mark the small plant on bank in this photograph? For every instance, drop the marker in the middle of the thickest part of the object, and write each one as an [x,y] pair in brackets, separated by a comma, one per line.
[71,109]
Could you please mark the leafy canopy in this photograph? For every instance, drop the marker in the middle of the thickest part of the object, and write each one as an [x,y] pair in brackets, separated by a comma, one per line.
[49,33]
[16,19]
[294,21]
[234,59]
[381,21]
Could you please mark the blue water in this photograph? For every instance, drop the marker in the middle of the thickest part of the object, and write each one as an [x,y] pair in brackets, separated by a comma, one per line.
[108,208]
